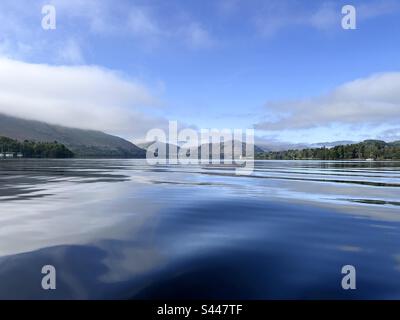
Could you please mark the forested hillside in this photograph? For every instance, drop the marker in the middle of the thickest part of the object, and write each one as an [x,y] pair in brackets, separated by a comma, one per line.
[33,149]
[368,149]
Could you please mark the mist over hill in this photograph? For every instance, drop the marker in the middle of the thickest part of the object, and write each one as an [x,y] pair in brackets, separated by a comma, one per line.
[83,143]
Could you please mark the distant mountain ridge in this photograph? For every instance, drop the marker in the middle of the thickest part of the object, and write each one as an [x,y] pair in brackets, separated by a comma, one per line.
[368,149]
[176,148]
[275,146]
[147,145]
[83,143]
[232,146]
[332,144]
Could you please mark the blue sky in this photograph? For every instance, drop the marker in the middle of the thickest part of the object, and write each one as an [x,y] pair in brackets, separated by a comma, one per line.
[285,67]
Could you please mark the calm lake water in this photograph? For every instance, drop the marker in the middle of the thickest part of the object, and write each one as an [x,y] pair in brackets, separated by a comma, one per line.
[123,229]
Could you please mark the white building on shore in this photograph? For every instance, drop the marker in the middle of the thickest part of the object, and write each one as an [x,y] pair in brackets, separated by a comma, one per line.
[7,155]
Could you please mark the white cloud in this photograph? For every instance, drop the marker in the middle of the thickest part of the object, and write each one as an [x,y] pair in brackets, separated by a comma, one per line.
[276,15]
[147,25]
[369,101]
[140,23]
[71,52]
[377,8]
[326,16]
[228,8]
[83,24]
[149,22]
[392,134]
[197,36]
[86,97]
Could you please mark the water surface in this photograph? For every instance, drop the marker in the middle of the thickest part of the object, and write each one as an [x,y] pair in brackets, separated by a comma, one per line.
[123,229]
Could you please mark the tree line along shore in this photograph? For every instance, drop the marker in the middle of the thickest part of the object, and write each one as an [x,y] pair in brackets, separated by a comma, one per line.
[10,148]
[366,150]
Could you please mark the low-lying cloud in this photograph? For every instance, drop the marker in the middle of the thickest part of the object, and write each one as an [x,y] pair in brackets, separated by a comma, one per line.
[368,102]
[86,97]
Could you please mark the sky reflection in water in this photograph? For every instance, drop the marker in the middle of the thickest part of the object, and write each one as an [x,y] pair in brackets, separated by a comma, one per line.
[122,229]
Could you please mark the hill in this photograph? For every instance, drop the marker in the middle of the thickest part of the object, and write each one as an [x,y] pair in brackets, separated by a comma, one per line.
[368,149]
[275,146]
[83,143]
[257,149]
[147,145]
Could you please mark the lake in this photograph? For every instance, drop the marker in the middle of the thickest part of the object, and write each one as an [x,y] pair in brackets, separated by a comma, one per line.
[121,229]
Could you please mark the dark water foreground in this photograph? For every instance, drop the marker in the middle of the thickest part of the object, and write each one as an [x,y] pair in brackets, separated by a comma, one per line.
[122,229]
